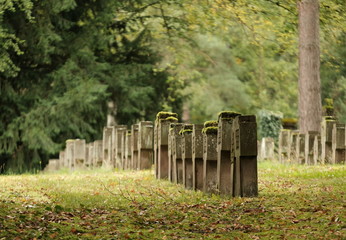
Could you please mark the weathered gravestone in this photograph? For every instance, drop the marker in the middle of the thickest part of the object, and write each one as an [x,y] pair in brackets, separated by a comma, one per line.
[197,157]
[284,145]
[266,147]
[317,151]
[62,159]
[224,142]
[53,165]
[186,146]
[309,147]
[301,148]
[163,122]
[294,154]
[175,162]
[145,145]
[210,157]
[134,146]
[107,147]
[119,134]
[338,143]
[244,165]
[98,153]
[79,153]
[69,154]
[326,139]
[128,151]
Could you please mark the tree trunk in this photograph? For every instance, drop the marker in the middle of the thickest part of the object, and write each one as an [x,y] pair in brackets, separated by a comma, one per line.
[310,109]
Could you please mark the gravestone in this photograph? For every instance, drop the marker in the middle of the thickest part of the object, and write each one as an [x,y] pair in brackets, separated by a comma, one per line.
[338,143]
[161,134]
[224,142]
[244,169]
[162,143]
[79,153]
[284,145]
[119,139]
[301,148]
[90,159]
[98,153]
[134,146]
[53,165]
[175,153]
[107,147]
[128,151]
[62,162]
[69,154]
[145,145]
[317,150]
[186,146]
[210,157]
[197,157]
[309,147]
[326,139]
[294,153]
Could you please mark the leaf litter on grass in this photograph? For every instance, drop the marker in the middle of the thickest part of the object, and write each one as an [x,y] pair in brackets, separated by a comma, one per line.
[294,202]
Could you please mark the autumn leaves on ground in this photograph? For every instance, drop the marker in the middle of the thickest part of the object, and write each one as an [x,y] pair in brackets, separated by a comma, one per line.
[294,202]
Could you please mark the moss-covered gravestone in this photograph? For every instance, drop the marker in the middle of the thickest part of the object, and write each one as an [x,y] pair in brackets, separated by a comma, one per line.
[244,169]
[145,145]
[294,156]
[186,147]
[107,145]
[163,121]
[62,159]
[210,157]
[197,157]
[301,148]
[224,142]
[175,162]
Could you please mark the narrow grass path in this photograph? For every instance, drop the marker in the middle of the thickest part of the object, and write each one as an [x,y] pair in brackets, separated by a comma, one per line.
[295,202]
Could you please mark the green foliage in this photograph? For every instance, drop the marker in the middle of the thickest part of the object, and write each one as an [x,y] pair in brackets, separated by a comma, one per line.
[269,124]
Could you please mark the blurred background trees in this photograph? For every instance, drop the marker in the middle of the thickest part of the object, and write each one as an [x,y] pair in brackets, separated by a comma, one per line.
[63,62]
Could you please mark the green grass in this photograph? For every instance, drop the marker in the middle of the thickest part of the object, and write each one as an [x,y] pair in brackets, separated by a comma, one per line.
[295,202]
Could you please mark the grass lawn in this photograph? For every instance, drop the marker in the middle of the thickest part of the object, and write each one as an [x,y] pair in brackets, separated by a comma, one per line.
[295,202]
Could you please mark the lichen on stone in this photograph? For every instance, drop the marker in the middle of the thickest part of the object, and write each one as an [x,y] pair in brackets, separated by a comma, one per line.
[212,123]
[210,130]
[228,114]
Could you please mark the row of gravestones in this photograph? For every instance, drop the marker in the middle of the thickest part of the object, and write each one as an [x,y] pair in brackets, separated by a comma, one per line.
[119,148]
[217,157]
[326,147]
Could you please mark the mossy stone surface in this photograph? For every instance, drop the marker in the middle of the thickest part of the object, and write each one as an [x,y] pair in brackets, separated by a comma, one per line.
[210,130]
[228,115]
[212,123]
[165,115]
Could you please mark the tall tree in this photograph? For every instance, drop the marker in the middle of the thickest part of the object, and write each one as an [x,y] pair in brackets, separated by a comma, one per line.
[310,109]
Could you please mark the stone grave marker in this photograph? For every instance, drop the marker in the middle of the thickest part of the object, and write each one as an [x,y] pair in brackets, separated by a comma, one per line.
[128,151]
[210,157]
[244,171]
[284,145]
[134,146]
[107,147]
[175,163]
[69,154]
[119,139]
[145,145]
[197,157]
[98,153]
[163,123]
[224,142]
[186,147]
[338,144]
[309,147]
[326,139]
